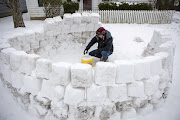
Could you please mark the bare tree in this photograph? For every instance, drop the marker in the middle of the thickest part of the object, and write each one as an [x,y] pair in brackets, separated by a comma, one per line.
[14,5]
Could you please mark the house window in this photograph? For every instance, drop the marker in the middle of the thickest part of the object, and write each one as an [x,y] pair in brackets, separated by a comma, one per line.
[106,0]
[40,3]
[68,0]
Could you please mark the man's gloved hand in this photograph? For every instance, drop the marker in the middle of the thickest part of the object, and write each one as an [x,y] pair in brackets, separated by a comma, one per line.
[85,51]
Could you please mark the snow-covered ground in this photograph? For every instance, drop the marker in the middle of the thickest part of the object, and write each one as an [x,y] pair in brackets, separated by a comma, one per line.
[125,37]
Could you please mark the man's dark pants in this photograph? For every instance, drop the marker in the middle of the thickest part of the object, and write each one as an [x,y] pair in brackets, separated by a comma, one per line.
[103,54]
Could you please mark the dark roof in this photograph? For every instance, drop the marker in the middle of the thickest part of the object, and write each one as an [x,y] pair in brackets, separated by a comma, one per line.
[5,11]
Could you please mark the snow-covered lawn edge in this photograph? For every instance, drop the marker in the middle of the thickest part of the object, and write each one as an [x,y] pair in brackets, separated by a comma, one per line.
[43,81]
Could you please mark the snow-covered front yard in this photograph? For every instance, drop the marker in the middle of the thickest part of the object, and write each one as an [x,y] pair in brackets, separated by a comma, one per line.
[126,46]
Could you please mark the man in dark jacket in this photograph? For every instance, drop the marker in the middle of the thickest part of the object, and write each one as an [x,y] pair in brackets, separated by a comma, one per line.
[105,45]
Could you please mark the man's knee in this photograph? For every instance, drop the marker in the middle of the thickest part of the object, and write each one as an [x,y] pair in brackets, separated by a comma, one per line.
[104,53]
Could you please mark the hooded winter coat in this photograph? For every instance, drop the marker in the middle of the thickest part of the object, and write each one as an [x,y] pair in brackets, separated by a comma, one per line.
[103,45]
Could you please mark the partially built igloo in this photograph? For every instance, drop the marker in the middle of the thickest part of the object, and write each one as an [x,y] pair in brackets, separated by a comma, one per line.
[109,91]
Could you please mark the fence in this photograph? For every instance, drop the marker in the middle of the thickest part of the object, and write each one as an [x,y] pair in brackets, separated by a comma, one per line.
[134,16]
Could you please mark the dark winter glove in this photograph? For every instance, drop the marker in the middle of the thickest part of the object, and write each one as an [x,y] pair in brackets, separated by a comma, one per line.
[85,51]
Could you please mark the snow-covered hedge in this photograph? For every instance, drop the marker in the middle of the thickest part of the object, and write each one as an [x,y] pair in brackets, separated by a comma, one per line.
[111,91]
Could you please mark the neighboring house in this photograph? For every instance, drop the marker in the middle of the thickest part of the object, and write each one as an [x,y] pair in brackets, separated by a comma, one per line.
[36,11]
[5,11]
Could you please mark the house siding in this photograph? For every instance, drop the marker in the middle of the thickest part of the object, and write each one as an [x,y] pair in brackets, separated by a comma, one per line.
[37,12]
[5,11]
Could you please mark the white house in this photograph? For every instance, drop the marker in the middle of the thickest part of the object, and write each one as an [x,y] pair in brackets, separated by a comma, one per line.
[36,10]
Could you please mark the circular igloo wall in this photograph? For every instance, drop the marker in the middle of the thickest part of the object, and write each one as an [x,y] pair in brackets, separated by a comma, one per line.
[59,37]
[113,90]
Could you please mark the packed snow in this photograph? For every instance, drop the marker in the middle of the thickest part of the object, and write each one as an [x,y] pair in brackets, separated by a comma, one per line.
[129,42]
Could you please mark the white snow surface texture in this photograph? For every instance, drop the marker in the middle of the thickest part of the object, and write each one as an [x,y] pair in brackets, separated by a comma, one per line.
[126,48]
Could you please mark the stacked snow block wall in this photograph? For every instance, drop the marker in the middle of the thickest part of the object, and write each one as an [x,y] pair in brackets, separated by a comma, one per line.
[112,91]
[57,33]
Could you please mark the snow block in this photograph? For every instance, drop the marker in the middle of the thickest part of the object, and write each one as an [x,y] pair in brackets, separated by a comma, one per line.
[26,48]
[155,64]
[42,110]
[60,38]
[90,27]
[124,106]
[34,43]
[50,36]
[6,71]
[117,93]
[165,59]
[165,38]
[32,109]
[141,69]
[145,110]
[73,96]
[17,79]
[30,41]
[84,112]
[86,18]
[115,116]
[58,30]
[85,34]
[96,94]
[51,91]
[69,38]
[151,85]
[129,114]
[14,42]
[39,36]
[140,102]
[5,55]
[58,21]
[36,107]
[168,47]
[74,28]
[94,18]
[103,112]
[77,36]
[43,68]
[81,28]
[67,19]
[156,97]
[4,46]
[49,24]
[61,73]
[163,85]
[81,75]
[105,73]
[76,18]
[29,63]
[136,89]
[66,29]
[31,85]
[30,38]
[16,60]
[21,40]
[92,34]
[97,26]
[124,71]
[59,109]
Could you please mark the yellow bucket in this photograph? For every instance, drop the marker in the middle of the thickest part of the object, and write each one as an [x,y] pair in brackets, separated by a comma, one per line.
[87,60]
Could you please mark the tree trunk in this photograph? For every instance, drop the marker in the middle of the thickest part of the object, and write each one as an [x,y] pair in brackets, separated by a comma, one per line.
[17,14]
[178,6]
